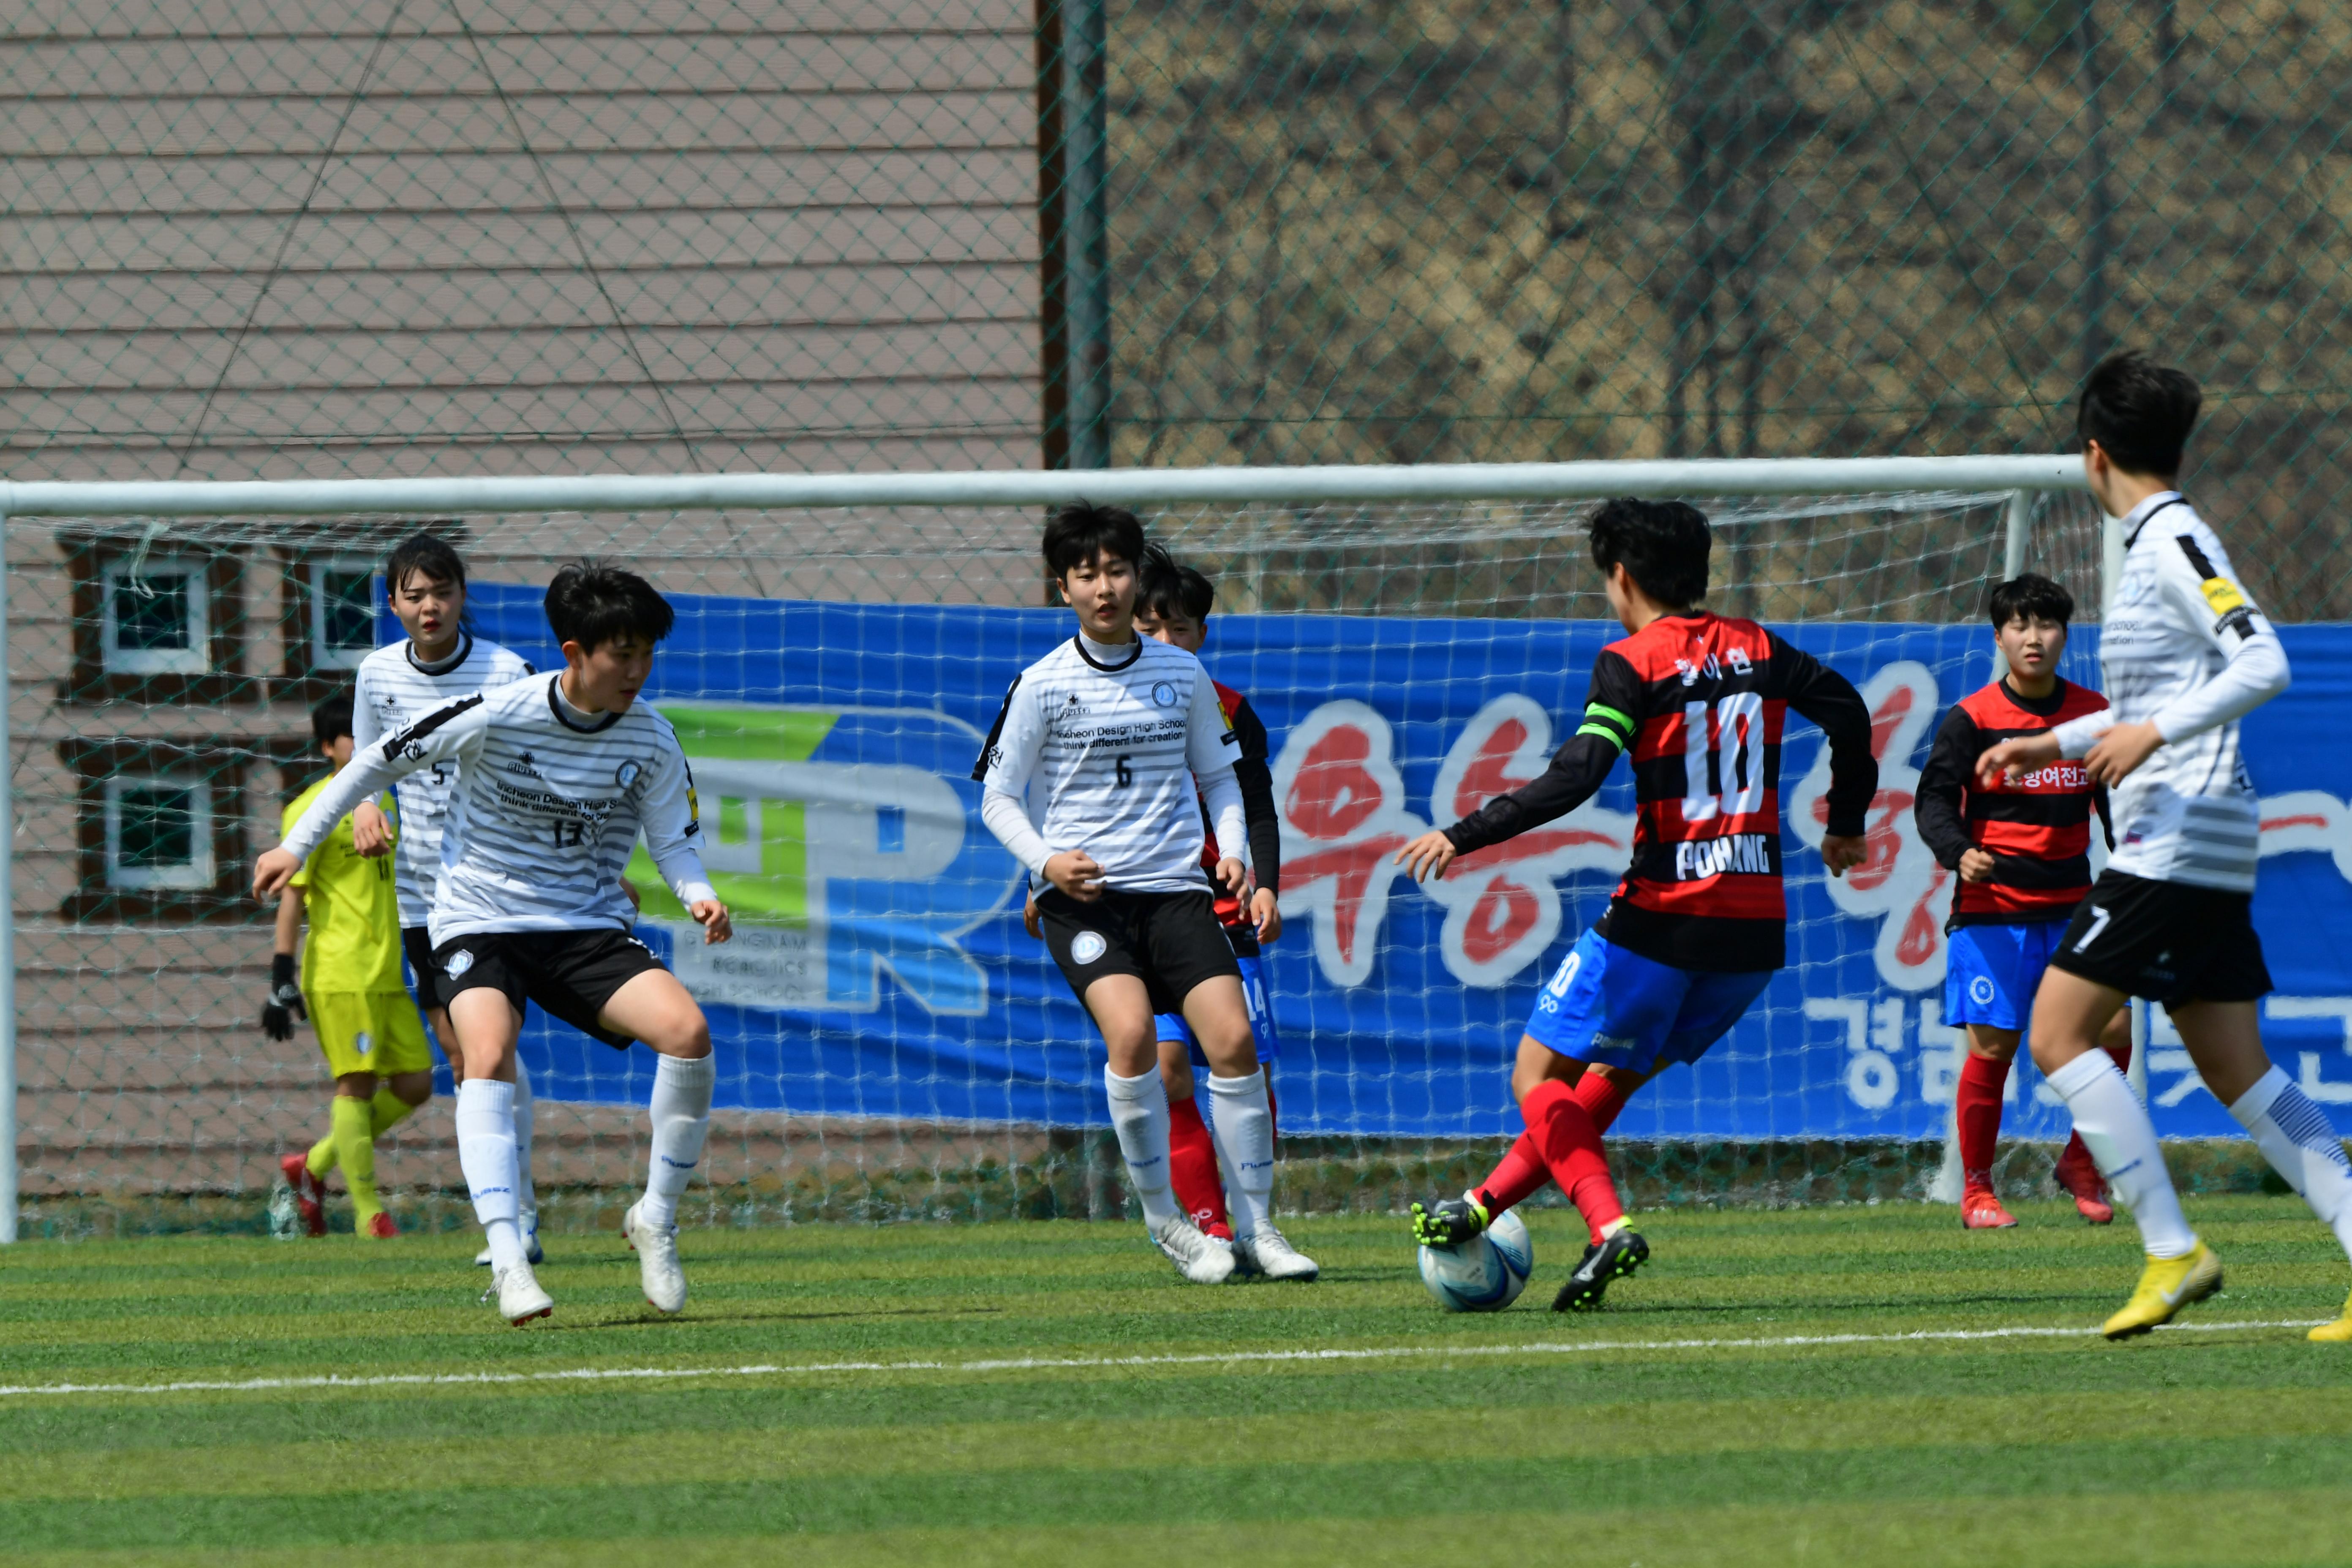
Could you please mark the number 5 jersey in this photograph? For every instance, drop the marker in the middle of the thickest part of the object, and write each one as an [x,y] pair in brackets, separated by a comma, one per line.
[1699,701]
[547,805]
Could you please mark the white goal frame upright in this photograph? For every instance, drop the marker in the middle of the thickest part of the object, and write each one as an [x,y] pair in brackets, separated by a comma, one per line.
[2023,477]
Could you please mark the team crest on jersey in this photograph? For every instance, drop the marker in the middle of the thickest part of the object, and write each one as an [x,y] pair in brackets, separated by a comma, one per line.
[1163,694]
[1087,946]
[627,774]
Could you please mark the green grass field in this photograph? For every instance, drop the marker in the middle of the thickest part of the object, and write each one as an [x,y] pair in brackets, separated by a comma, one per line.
[1852,1386]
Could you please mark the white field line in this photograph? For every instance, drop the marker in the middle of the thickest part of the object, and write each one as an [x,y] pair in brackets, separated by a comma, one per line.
[1035,1363]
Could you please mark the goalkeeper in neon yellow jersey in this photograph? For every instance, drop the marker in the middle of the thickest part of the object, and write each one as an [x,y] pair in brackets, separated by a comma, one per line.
[351,992]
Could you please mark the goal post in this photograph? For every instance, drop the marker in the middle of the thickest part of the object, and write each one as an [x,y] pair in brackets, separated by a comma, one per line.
[1863,543]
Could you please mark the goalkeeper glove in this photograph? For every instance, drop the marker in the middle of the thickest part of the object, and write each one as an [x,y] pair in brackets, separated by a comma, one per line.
[284,1008]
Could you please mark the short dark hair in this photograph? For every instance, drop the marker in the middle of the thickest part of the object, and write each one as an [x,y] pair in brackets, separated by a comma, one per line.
[1171,588]
[429,553]
[332,719]
[593,603]
[1077,534]
[1663,545]
[2032,596]
[2140,412]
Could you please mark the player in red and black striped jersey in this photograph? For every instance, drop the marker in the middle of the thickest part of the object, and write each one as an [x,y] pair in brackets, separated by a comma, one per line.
[1699,922]
[2022,851]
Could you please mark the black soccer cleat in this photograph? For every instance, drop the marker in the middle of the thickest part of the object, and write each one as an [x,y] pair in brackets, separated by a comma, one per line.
[1448,1222]
[1614,1258]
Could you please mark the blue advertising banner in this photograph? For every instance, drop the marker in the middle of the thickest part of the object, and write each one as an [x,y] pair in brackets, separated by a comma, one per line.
[881,968]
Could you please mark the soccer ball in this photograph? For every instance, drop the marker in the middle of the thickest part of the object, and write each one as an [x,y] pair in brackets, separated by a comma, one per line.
[1484,1274]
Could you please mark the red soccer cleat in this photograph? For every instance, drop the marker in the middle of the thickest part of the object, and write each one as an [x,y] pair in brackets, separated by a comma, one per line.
[1981,1210]
[309,1191]
[2078,1173]
[380,1226]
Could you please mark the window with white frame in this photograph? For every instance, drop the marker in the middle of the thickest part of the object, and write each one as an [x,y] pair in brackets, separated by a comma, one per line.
[152,618]
[159,833]
[343,610]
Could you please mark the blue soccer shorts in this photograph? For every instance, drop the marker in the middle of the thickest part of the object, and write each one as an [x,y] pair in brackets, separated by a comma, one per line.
[1261,1015]
[1606,1005]
[1992,971]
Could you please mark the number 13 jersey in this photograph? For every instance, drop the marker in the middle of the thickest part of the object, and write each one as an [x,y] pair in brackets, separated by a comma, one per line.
[548,805]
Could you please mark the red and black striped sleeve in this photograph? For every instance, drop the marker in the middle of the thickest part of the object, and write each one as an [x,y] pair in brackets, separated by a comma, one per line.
[1253,771]
[1821,694]
[1941,808]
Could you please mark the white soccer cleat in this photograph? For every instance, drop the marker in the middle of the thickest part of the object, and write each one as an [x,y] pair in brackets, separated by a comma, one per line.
[530,1247]
[1269,1253]
[1197,1256]
[656,1250]
[519,1296]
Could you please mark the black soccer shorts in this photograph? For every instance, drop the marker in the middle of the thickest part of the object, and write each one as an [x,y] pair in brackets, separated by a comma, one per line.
[432,986]
[1170,941]
[2169,942]
[570,973]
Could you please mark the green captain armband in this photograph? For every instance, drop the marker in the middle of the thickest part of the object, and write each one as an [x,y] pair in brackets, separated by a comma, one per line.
[1605,722]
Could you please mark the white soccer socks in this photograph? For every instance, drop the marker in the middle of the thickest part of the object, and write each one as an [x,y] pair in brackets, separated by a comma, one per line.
[2122,1141]
[681,1118]
[2297,1140]
[525,1195]
[1241,1124]
[1138,1114]
[485,1153]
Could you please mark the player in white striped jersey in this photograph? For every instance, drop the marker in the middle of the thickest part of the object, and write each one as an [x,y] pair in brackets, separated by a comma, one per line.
[557,776]
[426,580]
[2186,656]
[1091,772]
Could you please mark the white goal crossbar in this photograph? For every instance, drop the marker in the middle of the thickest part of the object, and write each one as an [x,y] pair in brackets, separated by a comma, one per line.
[2020,478]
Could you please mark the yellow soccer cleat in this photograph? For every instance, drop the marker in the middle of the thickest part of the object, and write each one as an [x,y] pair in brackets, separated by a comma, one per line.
[2166,1286]
[2338,1332]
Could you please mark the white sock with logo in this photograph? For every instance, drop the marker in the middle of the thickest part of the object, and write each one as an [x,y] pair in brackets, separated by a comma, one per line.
[485,1153]
[2297,1140]
[526,1195]
[2122,1141]
[1243,1130]
[1138,1114]
[681,1117]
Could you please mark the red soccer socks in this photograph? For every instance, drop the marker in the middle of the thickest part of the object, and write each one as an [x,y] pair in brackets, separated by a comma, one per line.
[1564,1135]
[1978,1108]
[1602,1097]
[1192,1168]
[1519,1177]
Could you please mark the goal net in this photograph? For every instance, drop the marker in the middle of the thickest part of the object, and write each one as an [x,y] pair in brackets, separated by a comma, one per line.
[890,1043]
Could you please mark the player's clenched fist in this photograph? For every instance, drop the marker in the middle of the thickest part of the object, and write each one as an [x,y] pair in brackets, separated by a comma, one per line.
[716,924]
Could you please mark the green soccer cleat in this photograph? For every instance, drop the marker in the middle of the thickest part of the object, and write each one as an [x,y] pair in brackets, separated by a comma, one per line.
[1614,1258]
[1449,1221]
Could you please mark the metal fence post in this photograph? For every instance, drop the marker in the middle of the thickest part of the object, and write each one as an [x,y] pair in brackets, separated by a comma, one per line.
[1086,235]
[7,925]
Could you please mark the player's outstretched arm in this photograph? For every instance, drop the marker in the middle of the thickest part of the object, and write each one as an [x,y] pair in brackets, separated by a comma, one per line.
[1578,769]
[1943,785]
[1821,694]
[444,735]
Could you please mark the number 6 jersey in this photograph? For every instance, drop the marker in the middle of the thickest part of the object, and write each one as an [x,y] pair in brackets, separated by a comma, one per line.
[1113,739]
[1699,701]
[547,805]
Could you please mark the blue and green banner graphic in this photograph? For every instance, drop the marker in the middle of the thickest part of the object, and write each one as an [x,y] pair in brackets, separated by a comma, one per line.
[880,969]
